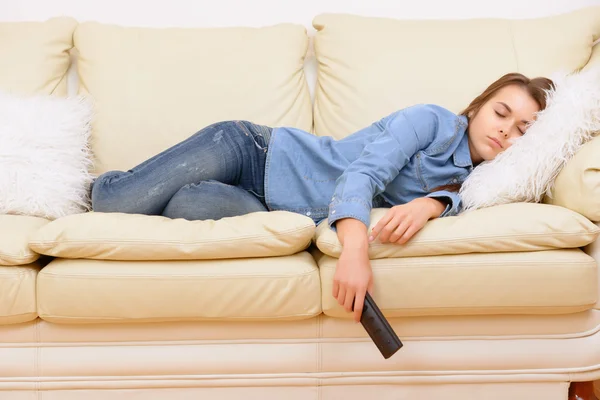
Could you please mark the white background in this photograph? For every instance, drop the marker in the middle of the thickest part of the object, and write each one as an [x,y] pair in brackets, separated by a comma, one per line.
[264,12]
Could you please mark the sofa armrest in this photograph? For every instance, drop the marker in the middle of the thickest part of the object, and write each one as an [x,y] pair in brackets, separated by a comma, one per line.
[577,186]
[593,249]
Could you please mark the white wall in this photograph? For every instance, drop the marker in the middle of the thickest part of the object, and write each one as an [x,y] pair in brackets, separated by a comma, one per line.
[264,12]
[205,13]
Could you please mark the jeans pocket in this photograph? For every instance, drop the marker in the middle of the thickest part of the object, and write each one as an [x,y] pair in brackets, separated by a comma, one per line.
[260,134]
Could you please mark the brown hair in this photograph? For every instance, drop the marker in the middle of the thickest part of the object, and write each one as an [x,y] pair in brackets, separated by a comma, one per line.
[536,87]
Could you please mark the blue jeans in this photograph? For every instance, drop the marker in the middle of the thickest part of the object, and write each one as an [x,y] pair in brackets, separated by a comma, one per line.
[217,172]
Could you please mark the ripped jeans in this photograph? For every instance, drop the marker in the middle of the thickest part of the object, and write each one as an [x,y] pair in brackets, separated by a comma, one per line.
[217,172]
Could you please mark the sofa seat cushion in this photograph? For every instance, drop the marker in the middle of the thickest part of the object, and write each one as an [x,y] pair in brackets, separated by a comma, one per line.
[504,228]
[17,293]
[539,282]
[35,56]
[117,236]
[257,289]
[370,67]
[192,77]
[15,231]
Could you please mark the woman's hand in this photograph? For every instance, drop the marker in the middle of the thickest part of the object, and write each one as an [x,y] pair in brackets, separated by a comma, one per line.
[353,276]
[401,222]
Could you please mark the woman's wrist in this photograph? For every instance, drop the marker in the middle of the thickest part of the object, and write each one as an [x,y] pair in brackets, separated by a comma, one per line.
[352,234]
[436,207]
[355,244]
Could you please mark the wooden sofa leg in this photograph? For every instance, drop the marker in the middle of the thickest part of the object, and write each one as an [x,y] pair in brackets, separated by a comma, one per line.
[582,391]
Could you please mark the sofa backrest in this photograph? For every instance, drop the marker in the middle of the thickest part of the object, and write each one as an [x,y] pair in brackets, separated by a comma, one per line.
[34,56]
[153,87]
[370,67]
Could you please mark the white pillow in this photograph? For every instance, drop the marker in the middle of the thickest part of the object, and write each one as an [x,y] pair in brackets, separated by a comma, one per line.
[44,155]
[527,169]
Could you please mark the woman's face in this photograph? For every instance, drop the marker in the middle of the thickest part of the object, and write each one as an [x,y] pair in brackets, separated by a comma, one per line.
[502,119]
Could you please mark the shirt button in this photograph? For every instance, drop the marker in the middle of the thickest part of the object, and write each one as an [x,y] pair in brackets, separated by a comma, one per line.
[308,214]
[333,212]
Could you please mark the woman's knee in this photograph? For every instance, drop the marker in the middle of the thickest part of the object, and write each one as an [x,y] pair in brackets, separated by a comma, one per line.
[211,200]
[105,197]
[101,193]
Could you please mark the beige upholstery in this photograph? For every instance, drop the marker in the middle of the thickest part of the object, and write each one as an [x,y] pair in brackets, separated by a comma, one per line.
[259,289]
[18,293]
[315,357]
[577,187]
[15,231]
[558,326]
[115,236]
[35,56]
[506,228]
[539,282]
[370,67]
[191,78]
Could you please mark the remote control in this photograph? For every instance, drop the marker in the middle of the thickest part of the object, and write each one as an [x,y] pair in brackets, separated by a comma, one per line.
[379,329]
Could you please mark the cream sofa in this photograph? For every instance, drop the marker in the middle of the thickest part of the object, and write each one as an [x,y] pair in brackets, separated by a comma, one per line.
[497,304]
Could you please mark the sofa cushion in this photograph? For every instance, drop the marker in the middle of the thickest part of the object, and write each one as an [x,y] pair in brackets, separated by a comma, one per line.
[274,288]
[15,231]
[539,282]
[370,67]
[154,87]
[504,228]
[35,56]
[577,186]
[116,236]
[17,293]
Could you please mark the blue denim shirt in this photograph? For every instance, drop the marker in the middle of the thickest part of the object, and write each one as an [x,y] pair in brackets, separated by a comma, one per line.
[399,158]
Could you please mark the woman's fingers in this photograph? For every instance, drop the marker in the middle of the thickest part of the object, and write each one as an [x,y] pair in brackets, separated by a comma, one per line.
[409,233]
[341,297]
[349,299]
[389,229]
[381,224]
[400,230]
[358,304]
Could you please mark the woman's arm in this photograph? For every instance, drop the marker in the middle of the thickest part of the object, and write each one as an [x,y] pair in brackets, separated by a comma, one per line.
[404,134]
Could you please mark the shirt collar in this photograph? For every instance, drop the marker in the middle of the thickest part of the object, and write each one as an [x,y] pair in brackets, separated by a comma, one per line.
[462,155]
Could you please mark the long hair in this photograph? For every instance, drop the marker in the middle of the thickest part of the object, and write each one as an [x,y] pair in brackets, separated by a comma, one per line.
[536,87]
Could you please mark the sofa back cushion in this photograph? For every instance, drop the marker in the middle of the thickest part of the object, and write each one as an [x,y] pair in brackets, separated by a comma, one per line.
[370,67]
[154,87]
[35,56]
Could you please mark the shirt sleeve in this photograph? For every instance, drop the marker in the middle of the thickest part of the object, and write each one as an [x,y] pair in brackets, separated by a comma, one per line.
[451,199]
[405,133]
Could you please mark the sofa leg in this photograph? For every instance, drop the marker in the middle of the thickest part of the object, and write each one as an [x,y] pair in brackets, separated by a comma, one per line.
[582,391]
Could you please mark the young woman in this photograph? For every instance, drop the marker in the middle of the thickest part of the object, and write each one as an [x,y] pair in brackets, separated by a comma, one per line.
[412,162]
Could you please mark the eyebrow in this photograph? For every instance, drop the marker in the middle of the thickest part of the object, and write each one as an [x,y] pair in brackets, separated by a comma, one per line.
[510,110]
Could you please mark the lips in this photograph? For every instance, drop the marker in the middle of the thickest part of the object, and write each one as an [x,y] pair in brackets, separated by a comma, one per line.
[496,142]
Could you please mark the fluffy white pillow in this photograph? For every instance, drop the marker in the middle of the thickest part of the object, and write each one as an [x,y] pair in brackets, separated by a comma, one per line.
[44,155]
[527,169]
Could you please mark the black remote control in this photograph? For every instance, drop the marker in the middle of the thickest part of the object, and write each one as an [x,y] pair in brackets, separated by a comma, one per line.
[379,329]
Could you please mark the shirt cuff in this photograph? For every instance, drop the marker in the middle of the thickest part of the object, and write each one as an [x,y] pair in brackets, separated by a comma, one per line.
[450,198]
[348,209]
